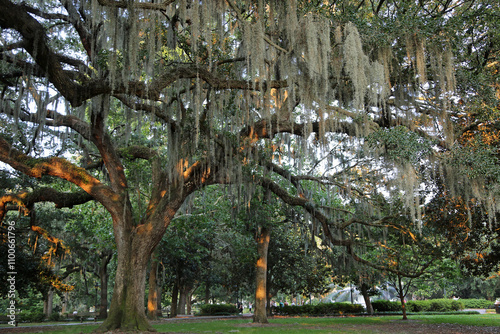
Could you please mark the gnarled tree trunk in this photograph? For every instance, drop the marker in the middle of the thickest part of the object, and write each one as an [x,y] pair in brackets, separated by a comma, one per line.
[127,305]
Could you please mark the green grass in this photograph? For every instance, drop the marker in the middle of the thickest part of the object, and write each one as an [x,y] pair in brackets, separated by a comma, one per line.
[469,320]
[295,325]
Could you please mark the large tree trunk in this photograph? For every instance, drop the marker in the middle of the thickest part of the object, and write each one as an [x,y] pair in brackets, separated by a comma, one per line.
[48,302]
[153,288]
[127,311]
[263,237]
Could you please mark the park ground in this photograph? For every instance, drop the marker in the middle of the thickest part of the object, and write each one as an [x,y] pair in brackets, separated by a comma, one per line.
[426,324]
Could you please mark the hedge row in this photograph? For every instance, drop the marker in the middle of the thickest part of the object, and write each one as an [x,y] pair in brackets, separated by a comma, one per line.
[477,303]
[320,309]
[218,309]
[433,305]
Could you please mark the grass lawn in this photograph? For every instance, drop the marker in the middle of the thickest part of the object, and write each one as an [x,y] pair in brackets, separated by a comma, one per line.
[385,324]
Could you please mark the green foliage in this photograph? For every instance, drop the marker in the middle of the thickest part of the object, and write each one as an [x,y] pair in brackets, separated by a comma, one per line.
[218,309]
[31,316]
[386,306]
[476,303]
[432,305]
[400,143]
[319,309]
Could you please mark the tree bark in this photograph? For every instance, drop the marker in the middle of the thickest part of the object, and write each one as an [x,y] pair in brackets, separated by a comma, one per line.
[153,288]
[189,300]
[184,291]
[127,311]
[262,238]
[175,295]
[103,274]
[48,302]
[364,291]
[158,299]
[207,291]
[402,297]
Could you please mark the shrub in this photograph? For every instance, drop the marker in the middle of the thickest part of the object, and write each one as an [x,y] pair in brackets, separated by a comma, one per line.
[55,316]
[476,303]
[386,306]
[320,309]
[433,305]
[35,316]
[218,309]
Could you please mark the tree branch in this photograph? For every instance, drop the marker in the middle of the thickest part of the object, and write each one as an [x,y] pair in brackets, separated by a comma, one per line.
[57,167]
[25,199]
[13,16]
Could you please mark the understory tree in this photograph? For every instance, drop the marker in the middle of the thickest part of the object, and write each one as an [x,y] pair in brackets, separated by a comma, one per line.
[106,94]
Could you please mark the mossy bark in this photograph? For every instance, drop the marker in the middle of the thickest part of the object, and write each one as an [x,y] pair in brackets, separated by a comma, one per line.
[127,309]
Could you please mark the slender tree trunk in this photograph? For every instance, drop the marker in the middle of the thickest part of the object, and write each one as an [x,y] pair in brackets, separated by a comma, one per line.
[188,299]
[269,309]
[153,288]
[263,237]
[65,302]
[364,291]
[402,297]
[175,295]
[207,292]
[103,273]
[184,291]
[158,300]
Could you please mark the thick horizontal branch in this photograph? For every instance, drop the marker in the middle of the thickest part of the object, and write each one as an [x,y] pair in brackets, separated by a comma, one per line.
[137,152]
[26,199]
[53,118]
[54,166]
[135,4]
[185,71]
